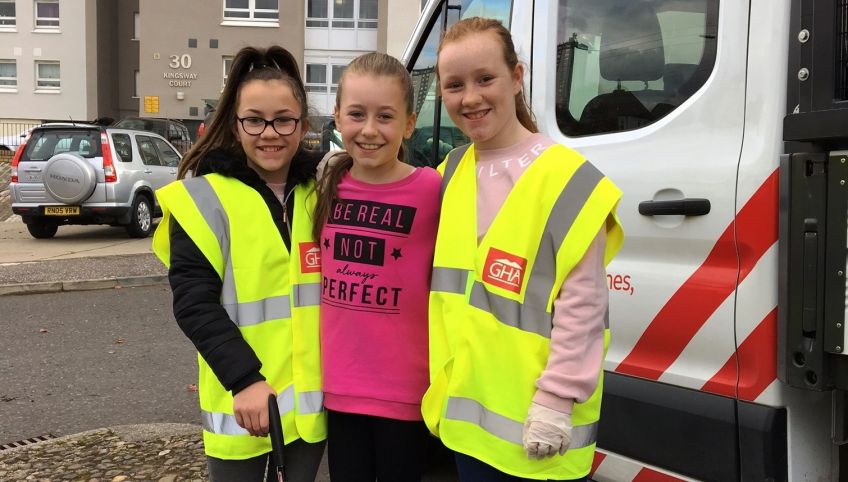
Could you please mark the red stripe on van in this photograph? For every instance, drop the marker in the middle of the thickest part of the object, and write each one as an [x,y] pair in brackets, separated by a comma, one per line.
[697,299]
[599,457]
[648,475]
[757,362]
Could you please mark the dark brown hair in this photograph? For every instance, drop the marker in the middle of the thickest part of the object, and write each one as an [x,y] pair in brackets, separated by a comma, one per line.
[250,63]
[378,65]
[473,25]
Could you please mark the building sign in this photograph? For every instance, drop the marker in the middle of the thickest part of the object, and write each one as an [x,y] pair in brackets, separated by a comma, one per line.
[151,104]
[179,79]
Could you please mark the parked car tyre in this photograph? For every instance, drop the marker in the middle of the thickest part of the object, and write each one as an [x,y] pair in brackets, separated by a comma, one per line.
[42,229]
[141,220]
[69,178]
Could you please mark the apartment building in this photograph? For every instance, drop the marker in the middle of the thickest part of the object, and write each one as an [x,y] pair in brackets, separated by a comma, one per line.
[84,59]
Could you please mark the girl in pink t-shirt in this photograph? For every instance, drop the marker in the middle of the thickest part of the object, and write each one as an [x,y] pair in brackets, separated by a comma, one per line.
[376,222]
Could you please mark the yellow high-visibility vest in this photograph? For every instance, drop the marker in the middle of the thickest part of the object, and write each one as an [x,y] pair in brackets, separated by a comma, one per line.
[272,295]
[491,306]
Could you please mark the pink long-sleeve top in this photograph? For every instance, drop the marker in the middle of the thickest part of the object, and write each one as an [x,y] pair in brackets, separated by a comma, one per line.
[376,258]
[577,337]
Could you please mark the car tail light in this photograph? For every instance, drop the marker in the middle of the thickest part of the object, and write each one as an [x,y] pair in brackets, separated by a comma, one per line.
[16,160]
[108,166]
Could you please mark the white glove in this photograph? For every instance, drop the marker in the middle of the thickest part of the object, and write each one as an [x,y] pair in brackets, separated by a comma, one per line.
[546,432]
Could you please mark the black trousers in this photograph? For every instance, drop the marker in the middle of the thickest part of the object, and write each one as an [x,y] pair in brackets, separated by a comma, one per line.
[364,448]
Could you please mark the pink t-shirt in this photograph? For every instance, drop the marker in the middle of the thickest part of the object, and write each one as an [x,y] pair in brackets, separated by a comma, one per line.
[376,259]
[577,336]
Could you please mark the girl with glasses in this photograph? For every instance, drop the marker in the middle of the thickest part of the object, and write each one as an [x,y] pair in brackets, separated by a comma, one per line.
[237,237]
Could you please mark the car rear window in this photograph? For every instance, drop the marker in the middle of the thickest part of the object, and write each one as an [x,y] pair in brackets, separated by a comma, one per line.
[46,143]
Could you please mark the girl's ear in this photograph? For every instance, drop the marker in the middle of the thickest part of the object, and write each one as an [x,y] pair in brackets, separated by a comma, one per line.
[517,78]
[410,125]
[336,116]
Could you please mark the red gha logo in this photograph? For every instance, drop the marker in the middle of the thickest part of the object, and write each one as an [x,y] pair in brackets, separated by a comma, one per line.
[504,270]
[310,258]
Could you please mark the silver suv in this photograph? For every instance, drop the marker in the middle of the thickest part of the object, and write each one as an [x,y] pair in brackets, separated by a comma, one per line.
[88,174]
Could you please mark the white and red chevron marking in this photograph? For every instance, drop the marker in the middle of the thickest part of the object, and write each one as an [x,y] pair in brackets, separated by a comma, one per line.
[610,467]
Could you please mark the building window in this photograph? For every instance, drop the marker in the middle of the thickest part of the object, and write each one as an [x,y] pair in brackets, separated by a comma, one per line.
[228,64]
[135,84]
[316,13]
[316,77]
[136,26]
[367,14]
[341,13]
[47,76]
[7,13]
[251,10]
[8,74]
[47,14]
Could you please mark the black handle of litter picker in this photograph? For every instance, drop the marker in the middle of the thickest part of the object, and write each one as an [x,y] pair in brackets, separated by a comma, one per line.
[277,441]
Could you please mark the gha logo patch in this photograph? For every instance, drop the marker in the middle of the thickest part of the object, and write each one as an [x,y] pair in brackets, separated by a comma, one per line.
[310,258]
[504,270]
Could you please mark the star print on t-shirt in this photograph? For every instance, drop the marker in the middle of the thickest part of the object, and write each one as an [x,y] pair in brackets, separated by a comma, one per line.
[327,243]
[396,253]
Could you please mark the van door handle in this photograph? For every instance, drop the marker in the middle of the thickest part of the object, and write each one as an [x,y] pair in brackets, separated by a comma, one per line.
[685,207]
[148,171]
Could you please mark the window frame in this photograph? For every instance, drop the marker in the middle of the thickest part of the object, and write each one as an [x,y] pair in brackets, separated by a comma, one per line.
[37,18]
[330,84]
[226,70]
[10,87]
[251,19]
[332,21]
[136,26]
[39,79]
[13,26]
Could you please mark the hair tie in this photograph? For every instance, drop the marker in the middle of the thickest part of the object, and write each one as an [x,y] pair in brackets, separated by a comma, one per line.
[261,64]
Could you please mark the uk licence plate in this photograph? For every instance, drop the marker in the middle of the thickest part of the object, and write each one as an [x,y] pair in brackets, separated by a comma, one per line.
[61,210]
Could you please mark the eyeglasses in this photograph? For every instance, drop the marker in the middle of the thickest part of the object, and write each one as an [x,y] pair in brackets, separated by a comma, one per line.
[255,126]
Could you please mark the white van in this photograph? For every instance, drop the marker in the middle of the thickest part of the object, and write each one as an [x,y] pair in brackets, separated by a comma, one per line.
[727,302]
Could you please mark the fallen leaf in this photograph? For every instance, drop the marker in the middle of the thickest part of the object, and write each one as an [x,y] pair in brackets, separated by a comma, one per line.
[111,352]
[43,330]
[120,341]
[164,452]
[191,387]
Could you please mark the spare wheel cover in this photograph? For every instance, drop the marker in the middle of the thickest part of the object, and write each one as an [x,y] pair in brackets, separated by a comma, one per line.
[69,178]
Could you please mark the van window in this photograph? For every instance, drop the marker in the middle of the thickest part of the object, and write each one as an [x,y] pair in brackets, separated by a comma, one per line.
[624,64]
[426,147]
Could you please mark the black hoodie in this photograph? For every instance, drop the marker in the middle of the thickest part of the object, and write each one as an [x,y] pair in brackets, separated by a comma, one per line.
[196,285]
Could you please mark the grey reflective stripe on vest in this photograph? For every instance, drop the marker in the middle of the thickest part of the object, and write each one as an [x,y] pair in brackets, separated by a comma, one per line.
[524,316]
[255,312]
[451,164]
[533,314]
[212,210]
[449,280]
[210,207]
[471,411]
[306,294]
[311,402]
[225,423]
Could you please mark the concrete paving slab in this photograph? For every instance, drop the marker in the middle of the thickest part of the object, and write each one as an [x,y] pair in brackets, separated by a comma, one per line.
[17,246]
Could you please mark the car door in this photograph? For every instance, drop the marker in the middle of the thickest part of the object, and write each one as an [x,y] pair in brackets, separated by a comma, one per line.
[157,172]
